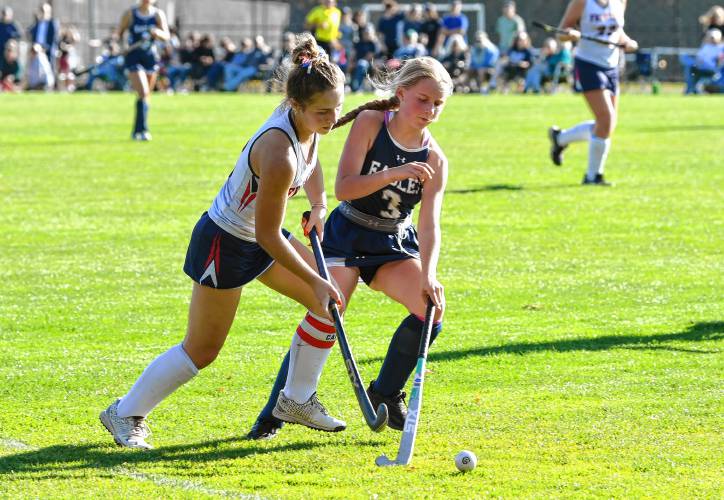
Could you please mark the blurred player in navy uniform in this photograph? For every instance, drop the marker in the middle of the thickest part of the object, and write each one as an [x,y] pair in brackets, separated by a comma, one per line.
[390,164]
[145,24]
[241,239]
[597,76]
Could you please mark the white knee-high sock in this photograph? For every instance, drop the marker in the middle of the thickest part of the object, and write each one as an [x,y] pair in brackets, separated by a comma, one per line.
[165,374]
[581,132]
[310,349]
[597,154]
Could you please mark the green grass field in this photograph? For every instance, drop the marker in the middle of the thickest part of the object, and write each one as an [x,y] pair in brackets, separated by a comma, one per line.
[582,349]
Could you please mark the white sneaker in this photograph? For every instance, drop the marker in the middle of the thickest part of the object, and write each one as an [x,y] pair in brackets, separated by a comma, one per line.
[130,432]
[312,414]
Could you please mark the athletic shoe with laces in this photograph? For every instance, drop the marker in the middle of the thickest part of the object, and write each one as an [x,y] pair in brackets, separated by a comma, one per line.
[556,150]
[596,181]
[130,432]
[264,429]
[311,414]
[395,405]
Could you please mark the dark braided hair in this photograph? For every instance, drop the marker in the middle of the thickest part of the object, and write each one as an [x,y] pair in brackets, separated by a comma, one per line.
[308,72]
[379,105]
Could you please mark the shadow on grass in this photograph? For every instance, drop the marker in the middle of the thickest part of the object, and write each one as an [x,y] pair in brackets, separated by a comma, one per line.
[489,187]
[713,330]
[57,461]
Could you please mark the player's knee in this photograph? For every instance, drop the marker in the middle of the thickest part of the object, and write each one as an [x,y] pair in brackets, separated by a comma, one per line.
[202,355]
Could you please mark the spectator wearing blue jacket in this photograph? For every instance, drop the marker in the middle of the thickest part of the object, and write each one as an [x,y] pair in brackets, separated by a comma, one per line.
[9,29]
[390,26]
[455,23]
[46,32]
[483,58]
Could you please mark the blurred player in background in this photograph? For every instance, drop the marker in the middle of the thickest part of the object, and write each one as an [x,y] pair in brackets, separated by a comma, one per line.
[596,76]
[145,23]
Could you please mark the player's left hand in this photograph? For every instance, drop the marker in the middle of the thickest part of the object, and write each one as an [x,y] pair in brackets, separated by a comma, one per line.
[316,219]
[432,288]
[631,45]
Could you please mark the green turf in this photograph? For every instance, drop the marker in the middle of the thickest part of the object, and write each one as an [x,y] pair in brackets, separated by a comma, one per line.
[582,349]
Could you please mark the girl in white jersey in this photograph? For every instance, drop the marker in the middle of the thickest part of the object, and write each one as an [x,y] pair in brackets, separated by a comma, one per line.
[241,238]
[596,75]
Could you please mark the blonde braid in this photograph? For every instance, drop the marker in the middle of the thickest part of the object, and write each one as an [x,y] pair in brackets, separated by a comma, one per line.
[379,105]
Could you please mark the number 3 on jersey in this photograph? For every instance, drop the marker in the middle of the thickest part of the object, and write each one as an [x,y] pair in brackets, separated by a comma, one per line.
[394,200]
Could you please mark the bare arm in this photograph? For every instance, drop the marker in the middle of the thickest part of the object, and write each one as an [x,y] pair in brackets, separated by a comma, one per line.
[314,187]
[350,184]
[123,25]
[570,21]
[429,233]
[161,32]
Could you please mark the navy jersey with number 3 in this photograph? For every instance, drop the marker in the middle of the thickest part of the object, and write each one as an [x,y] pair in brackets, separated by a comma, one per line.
[396,200]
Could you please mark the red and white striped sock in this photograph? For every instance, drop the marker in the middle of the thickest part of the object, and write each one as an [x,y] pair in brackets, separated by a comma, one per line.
[311,346]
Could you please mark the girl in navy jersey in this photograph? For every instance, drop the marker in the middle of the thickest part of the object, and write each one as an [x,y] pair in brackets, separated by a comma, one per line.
[241,238]
[596,75]
[145,24]
[390,164]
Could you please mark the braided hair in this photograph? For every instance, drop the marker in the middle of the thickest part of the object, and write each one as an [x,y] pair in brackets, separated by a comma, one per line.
[409,73]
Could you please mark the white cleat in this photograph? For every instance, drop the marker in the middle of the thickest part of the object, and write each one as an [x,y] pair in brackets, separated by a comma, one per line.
[130,432]
[311,414]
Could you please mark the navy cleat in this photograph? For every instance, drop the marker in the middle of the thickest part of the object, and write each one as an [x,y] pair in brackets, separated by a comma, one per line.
[395,405]
[556,150]
[264,429]
[596,181]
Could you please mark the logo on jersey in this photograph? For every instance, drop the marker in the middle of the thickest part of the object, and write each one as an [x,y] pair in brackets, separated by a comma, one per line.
[401,159]
[212,264]
[249,193]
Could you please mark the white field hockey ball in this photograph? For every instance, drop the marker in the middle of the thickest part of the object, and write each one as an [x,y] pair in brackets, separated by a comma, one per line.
[465,461]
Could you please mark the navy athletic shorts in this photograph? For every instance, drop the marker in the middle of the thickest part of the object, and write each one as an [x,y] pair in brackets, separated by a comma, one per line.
[589,76]
[141,60]
[353,245]
[218,259]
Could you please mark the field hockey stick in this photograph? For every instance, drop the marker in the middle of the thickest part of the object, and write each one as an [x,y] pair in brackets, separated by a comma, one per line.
[133,46]
[375,420]
[552,29]
[409,432]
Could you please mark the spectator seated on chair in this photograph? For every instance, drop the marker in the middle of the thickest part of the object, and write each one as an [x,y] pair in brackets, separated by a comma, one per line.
[366,50]
[456,61]
[39,74]
[10,68]
[708,60]
[483,57]
[411,48]
[517,61]
[202,58]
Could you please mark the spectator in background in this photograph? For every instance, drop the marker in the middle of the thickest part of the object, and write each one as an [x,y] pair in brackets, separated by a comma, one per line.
[413,19]
[46,32]
[39,75]
[456,60]
[366,51]
[347,38]
[9,29]
[323,21]
[431,26]
[454,23]
[359,18]
[216,71]
[108,68]
[389,27]
[517,61]
[713,19]
[708,59]
[68,59]
[411,47]
[508,26]
[202,58]
[10,67]
[483,58]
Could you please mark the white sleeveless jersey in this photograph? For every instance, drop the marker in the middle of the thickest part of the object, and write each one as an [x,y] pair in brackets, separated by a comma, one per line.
[234,208]
[605,23]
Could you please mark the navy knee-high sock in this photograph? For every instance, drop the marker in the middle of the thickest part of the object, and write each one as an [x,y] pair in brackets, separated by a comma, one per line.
[144,116]
[266,412]
[402,355]
[140,112]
